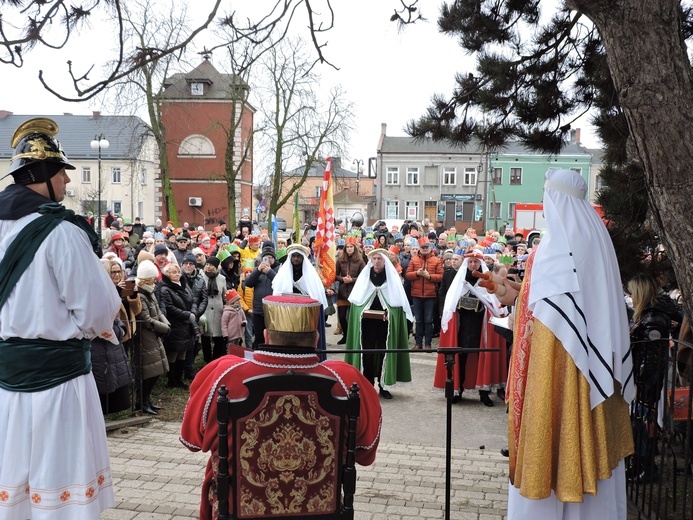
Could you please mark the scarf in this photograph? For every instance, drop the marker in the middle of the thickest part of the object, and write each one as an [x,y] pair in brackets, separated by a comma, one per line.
[212,289]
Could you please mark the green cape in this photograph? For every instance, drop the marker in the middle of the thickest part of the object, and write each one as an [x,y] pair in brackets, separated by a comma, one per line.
[396,367]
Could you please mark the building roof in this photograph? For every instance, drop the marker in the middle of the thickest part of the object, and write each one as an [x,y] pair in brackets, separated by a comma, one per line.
[346,196]
[410,145]
[424,146]
[125,134]
[317,169]
[515,148]
[219,86]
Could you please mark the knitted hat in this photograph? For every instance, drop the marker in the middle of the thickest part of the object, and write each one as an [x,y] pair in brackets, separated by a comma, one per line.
[198,251]
[116,236]
[214,261]
[160,249]
[189,257]
[147,270]
[232,296]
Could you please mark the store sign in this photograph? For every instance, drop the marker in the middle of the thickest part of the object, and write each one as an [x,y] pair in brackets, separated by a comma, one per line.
[457,197]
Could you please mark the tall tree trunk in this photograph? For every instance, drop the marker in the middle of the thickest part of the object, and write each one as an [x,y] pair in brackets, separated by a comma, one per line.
[649,65]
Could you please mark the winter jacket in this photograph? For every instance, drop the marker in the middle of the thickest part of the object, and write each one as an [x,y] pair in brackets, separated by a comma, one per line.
[262,284]
[180,254]
[650,357]
[199,291]
[246,294]
[215,306]
[233,322]
[109,362]
[176,304]
[149,353]
[125,255]
[352,267]
[423,287]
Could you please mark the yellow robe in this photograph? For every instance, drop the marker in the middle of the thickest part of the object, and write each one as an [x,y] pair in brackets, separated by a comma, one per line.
[560,443]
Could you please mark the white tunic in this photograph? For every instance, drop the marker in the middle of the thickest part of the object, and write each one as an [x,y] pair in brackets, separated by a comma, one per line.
[53,453]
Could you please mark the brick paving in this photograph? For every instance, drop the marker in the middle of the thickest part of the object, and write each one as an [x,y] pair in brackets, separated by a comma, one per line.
[157,479]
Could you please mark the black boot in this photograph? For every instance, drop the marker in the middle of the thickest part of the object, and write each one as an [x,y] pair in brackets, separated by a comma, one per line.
[148,410]
[384,393]
[484,398]
[154,407]
[179,369]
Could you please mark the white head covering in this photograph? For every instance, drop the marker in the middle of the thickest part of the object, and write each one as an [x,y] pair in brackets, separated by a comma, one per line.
[392,290]
[309,283]
[576,288]
[461,287]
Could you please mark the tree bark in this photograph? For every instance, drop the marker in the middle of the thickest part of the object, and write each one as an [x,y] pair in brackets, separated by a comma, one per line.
[647,57]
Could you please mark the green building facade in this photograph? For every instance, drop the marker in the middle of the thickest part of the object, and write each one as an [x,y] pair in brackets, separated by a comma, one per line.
[516,175]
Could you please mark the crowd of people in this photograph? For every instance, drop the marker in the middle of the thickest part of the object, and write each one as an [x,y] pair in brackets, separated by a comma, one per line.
[201,278]
[161,295]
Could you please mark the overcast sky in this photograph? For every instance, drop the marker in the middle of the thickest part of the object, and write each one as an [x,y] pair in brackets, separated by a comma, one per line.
[390,75]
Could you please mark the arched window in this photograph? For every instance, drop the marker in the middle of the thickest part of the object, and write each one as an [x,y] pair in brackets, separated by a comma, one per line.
[196,146]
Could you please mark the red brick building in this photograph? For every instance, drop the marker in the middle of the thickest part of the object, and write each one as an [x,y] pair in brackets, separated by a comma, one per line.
[197,109]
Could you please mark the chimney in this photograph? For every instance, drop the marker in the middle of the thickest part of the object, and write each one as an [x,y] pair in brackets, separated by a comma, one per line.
[5,113]
[96,113]
[575,136]
[67,113]
[383,128]
[336,163]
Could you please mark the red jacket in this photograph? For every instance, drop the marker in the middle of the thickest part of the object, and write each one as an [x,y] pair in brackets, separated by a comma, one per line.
[422,287]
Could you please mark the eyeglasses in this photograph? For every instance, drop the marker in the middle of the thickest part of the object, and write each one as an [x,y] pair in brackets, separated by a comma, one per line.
[117,273]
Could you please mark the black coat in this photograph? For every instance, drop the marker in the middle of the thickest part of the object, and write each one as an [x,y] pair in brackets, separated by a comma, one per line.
[109,362]
[261,284]
[176,302]
[199,292]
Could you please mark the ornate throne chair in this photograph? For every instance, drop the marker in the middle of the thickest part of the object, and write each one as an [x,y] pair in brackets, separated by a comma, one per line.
[287,450]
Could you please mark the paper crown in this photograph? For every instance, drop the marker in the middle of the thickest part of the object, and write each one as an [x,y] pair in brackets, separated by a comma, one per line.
[394,250]
[424,241]
[351,240]
[451,238]
[506,259]
[287,313]
[254,239]
[368,242]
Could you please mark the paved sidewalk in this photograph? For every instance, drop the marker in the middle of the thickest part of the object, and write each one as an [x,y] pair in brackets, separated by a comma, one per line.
[156,478]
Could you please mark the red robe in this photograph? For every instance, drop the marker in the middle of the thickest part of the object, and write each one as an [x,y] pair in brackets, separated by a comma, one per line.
[483,370]
[200,428]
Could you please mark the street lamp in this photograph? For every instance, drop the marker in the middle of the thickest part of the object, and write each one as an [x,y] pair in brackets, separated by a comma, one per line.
[99,143]
[359,163]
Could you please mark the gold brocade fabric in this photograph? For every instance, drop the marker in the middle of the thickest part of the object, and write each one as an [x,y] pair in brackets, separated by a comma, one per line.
[287,455]
[563,445]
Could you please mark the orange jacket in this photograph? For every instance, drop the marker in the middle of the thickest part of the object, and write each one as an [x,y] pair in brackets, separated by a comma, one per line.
[423,287]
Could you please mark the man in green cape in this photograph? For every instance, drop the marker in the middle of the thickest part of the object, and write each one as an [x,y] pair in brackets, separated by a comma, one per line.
[378,320]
